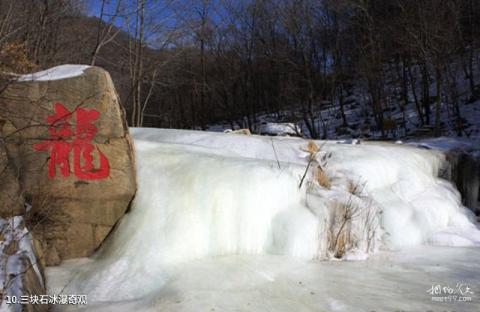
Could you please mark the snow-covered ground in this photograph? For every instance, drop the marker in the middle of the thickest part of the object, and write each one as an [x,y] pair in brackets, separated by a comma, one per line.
[220,222]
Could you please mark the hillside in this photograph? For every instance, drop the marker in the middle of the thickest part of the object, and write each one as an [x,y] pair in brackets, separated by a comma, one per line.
[339,69]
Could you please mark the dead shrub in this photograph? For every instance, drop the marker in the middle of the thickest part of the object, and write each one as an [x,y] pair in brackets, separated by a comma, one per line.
[355,188]
[322,178]
[312,147]
[319,159]
[352,225]
[41,215]
[340,228]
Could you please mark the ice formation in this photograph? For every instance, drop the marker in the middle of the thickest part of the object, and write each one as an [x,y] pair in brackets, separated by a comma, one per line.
[387,281]
[211,194]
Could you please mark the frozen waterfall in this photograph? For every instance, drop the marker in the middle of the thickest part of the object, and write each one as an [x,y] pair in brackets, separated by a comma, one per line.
[205,194]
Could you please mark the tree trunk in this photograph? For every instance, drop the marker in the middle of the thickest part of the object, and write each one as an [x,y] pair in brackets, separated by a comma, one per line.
[438,102]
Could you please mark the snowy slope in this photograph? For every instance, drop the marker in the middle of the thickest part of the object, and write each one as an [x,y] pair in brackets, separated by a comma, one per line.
[361,122]
[207,194]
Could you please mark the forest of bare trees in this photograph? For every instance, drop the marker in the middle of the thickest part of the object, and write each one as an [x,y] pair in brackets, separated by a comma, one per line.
[190,64]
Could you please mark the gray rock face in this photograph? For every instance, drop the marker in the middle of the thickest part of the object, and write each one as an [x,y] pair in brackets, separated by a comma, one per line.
[465,173]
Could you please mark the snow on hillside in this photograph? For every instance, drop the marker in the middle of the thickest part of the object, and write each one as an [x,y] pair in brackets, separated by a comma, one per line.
[402,120]
[204,194]
[448,144]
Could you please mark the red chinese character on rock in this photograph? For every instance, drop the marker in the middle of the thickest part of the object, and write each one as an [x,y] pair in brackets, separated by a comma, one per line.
[63,140]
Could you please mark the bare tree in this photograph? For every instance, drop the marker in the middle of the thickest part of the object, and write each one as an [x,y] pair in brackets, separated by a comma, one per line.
[106,30]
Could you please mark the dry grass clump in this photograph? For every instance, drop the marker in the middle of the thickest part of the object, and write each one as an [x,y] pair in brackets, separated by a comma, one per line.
[318,160]
[352,225]
[339,233]
[322,178]
[312,147]
[355,188]
[351,222]
[41,214]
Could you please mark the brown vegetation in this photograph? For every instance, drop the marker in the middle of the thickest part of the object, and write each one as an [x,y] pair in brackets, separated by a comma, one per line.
[322,178]
[14,59]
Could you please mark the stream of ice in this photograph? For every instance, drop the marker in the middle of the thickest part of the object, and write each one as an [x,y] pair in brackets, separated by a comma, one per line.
[387,281]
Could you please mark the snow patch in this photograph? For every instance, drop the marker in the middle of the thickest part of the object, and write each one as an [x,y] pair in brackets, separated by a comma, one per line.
[56,73]
[280,129]
[446,143]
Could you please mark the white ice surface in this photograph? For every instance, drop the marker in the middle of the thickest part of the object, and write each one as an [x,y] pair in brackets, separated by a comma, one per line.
[55,73]
[388,281]
[207,194]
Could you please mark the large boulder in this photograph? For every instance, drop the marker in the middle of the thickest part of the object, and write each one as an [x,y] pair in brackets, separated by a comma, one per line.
[66,137]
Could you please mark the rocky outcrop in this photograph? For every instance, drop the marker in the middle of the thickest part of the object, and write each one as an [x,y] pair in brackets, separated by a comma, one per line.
[461,166]
[465,173]
[66,138]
